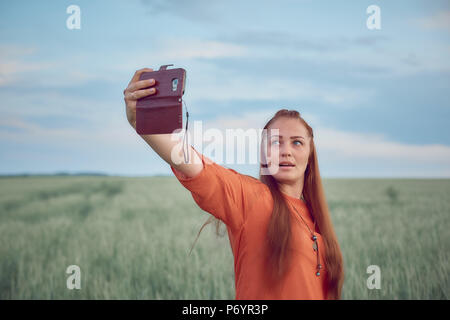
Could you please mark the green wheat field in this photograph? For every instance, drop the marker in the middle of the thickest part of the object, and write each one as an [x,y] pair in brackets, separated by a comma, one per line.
[131,238]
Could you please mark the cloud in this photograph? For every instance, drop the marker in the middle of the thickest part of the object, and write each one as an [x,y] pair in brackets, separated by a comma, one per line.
[287,40]
[339,145]
[438,21]
[192,48]
[114,133]
[8,50]
[18,67]
[54,118]
[226,71]
[192,10]
[19,131]
[334,145]
[13,64]
[351,145]
[247,86]
[358,55]
[192,53]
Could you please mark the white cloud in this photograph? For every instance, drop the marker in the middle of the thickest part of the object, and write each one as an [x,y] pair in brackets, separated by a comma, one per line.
[340,145]
[100,122]
[18,130]
[13,66]
[438,21]
[206,80]
[191,48]
[114,133]
[254,120]
[336,146]
[181,50]
[222,87]
[20,66]
[16,69]
[353,145]
[8,50]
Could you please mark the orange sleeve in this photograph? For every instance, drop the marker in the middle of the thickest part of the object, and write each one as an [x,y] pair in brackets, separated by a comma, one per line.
[217,190]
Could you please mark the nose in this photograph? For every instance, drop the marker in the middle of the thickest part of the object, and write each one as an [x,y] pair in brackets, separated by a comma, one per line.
[285,150]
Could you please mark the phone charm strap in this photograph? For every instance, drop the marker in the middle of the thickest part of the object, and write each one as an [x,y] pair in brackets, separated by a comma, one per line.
[185,138]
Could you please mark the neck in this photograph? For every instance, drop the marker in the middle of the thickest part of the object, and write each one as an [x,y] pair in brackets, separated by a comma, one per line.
[294,189]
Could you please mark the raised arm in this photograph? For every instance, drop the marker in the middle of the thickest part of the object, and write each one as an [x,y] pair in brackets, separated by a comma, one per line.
[167,146]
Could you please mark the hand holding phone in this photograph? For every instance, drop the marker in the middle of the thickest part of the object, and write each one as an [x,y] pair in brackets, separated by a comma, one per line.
[135,91]
[161,112]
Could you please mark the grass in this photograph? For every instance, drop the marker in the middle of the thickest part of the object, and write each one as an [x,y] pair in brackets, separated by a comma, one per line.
[131,238]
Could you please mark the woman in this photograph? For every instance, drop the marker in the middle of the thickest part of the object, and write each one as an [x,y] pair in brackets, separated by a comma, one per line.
[279,226]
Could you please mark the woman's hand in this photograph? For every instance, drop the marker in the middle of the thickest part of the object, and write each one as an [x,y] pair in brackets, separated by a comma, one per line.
[169,148]
[135,91]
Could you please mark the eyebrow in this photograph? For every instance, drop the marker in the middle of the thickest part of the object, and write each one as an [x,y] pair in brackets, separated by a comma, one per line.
[293,137]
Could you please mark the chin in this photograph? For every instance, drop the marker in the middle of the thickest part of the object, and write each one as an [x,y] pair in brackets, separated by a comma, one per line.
[287,176]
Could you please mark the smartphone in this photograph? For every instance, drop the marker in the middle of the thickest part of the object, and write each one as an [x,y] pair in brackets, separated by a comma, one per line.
[161,112]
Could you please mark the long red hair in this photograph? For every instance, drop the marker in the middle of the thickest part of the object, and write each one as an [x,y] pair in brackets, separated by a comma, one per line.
[279,230]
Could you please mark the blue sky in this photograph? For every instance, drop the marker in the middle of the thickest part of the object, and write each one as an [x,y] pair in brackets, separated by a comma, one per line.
[378,100]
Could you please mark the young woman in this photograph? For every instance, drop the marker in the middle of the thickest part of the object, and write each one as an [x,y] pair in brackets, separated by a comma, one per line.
[279,225]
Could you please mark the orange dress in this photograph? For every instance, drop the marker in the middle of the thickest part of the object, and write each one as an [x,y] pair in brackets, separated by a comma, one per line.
[245,204]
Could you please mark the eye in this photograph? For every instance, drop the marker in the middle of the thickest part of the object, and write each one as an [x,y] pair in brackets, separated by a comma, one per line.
[275,141]
[298,141]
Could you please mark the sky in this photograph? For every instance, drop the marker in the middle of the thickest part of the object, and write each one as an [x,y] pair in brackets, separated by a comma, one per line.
[377,99]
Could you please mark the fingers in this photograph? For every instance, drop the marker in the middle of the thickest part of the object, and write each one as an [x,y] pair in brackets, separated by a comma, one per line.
[138,73]
[133,92]
[129,92]
[139,94]
[140,84]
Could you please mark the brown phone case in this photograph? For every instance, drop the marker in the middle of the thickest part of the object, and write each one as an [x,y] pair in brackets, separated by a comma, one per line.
[162,112]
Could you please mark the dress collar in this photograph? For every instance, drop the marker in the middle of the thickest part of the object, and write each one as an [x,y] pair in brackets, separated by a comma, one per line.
[302,209]
[294,200]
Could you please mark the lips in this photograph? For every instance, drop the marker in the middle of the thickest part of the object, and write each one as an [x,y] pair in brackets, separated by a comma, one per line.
[286,164]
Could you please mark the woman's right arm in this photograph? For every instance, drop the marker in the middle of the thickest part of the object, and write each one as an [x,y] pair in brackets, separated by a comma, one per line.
[167,146]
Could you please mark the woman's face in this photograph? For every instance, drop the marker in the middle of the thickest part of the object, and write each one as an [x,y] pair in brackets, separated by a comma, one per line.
[291,144]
